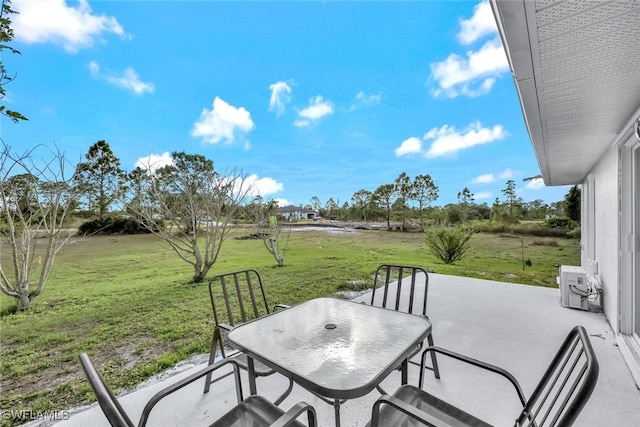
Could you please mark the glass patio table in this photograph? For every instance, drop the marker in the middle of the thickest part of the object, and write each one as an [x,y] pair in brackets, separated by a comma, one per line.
[337,349]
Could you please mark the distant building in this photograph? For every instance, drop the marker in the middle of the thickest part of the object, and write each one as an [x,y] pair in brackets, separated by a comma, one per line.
[297,212]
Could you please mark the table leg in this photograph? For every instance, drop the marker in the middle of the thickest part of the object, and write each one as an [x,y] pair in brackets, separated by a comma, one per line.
[336,406]
[252,376]
[404,378]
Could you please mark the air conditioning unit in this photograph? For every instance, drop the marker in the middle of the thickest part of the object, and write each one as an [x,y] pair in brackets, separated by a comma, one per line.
[574,287]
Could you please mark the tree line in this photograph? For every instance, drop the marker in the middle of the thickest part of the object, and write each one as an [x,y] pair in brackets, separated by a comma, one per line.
[411,200]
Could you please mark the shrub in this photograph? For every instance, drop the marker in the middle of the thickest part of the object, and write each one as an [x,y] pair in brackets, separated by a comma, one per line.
[112,225]
[448,244]
[561,222]
[528,229]
[575,233]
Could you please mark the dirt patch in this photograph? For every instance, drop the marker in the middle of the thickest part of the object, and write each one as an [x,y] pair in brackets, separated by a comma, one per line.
[331,230]
[58,374]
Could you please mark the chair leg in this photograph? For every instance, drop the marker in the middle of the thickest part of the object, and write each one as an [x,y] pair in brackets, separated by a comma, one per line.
[212,357]
[434,362]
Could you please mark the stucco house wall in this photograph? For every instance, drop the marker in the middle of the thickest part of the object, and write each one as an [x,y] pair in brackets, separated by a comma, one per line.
[602,185]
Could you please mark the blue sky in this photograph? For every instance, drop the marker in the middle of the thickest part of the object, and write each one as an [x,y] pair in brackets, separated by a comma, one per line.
[306,98]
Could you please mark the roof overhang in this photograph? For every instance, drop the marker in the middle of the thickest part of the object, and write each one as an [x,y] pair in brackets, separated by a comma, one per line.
[576,66]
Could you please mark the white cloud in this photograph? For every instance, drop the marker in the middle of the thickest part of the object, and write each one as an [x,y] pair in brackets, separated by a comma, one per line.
[409,146]
[279,97]
[154,161]
[483,88]
[317,109]
[448,141]
[489,177]
[483,179]
[483,195]
[302,123]
[480,24]
[364,100]
[129,79]
[53,21]
[474,75]
[506,174]
[132,82]
[282,202]
[263,186]
[535,184]
[222,122]
[94,68]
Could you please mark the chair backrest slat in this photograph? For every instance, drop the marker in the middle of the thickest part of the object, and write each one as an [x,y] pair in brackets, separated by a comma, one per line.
[239,295]
[236,297]
[565,381]
[565,386]
[399,290]
[568,395]
[394,281]
[252,293]
[387,279]
[412,290]
[559,370]
[225,296]
[236,282]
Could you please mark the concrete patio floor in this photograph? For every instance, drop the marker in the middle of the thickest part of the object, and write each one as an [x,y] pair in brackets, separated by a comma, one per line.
[513,326]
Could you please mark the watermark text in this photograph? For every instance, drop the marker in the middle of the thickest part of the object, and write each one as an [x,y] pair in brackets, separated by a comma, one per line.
[30,415]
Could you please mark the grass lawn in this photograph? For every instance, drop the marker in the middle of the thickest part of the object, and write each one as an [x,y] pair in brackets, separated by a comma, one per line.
[127,300]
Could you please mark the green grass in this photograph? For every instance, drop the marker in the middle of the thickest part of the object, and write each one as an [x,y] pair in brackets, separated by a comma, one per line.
[127,301]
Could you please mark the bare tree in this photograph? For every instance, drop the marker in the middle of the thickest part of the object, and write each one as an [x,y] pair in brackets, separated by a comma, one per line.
[270,228]
[36,197]
[189,205]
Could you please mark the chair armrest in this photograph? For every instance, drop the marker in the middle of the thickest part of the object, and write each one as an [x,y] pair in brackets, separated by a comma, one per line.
[292,414]
[280,306]
[475,362]
[184,382]
[404,407]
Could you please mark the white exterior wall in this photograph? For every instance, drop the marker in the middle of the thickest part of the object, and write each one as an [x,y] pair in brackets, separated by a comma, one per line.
[602,184]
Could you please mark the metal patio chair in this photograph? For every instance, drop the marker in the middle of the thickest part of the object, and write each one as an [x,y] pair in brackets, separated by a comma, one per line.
[557,400]
[254,411]
[238,297]
[395,287]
